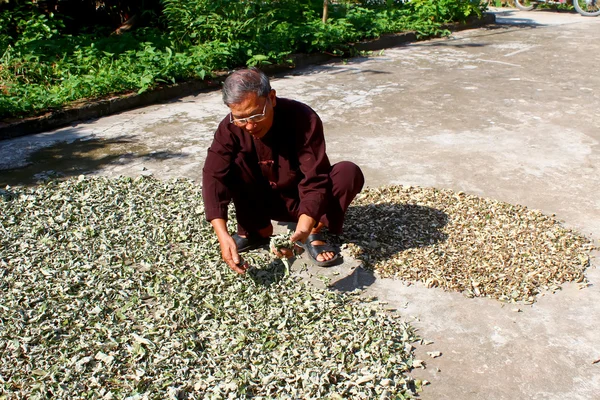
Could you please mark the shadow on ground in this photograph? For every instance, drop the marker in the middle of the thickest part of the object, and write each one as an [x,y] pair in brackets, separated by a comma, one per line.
[66,159]
[490,30]
[269,275]
[383,230]
[337,65]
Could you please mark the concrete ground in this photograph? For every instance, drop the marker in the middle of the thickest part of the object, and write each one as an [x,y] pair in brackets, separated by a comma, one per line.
[510,111]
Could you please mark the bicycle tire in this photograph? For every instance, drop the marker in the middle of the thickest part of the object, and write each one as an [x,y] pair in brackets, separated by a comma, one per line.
[587,8]
[526,5]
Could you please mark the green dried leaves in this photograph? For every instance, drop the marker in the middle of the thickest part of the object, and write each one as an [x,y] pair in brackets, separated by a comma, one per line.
[282,241]
[115,287]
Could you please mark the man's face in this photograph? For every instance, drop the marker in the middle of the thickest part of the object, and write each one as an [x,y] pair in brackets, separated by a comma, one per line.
[252,105]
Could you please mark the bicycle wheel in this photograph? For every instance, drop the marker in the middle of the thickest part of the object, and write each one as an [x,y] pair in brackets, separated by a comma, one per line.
[526,5]
[588,8]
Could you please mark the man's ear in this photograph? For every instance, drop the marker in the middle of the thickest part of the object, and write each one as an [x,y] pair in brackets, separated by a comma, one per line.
[273,97]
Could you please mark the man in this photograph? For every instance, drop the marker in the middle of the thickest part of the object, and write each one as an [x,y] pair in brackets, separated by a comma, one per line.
[268,157]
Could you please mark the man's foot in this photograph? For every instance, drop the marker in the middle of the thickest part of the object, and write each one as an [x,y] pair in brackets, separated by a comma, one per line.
[321,253]
[251,242]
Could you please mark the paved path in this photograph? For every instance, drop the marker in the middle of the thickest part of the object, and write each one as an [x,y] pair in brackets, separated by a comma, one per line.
[510,112]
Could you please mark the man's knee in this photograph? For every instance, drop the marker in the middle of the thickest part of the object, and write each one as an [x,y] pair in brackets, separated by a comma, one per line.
[347,176]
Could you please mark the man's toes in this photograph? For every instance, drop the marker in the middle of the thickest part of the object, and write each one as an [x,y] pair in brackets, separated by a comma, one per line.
[325,256]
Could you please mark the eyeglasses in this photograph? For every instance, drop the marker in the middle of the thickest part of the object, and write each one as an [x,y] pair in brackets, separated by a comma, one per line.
[254,119]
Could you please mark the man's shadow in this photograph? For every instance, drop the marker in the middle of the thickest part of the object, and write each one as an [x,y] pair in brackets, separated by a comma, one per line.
[385,229]
[381,231]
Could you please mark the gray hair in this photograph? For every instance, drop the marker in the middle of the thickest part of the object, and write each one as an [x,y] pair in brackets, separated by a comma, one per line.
[244,81]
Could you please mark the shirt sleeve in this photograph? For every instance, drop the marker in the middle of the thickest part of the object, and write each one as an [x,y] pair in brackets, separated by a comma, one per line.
[219,158]
[315,167]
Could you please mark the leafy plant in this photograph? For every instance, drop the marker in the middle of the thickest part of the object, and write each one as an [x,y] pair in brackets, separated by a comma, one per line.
[46,63]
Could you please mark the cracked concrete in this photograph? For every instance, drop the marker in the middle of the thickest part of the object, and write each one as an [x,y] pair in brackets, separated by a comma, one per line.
[510,111]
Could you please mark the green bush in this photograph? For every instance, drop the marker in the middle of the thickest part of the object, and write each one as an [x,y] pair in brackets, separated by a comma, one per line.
[45,66]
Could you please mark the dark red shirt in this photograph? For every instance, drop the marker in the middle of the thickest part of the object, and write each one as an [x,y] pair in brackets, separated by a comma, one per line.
[291,158]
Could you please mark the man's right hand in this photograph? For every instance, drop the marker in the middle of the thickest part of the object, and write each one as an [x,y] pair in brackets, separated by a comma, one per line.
[228,247]
[231,256]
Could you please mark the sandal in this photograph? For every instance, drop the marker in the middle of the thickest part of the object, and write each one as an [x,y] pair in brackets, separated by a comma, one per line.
[314,250]
[251,242]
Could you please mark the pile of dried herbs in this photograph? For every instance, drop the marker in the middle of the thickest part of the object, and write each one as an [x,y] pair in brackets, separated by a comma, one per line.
[114,288]
[460,242]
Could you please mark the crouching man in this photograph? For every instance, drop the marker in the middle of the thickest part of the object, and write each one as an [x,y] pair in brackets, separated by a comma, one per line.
[268,157]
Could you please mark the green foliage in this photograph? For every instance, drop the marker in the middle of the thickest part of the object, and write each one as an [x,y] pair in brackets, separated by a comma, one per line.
[45,66]
[428,16]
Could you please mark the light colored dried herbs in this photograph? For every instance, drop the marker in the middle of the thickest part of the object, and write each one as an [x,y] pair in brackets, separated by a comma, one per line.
[461,242]
[283,241]
[114,288]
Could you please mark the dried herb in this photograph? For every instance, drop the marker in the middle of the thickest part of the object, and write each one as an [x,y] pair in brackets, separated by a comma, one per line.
[461,242]
[115,288]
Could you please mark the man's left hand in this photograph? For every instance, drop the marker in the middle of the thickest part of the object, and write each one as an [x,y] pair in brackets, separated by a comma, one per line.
[303,228]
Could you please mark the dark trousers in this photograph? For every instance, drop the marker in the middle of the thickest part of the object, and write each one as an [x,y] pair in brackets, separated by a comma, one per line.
[256,205]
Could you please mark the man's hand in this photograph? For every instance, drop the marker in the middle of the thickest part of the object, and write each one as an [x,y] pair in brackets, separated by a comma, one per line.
[231,256]
[303,228]
[228,247]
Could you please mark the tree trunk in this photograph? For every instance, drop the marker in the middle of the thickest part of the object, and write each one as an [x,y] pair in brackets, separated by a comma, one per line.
[325,9]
